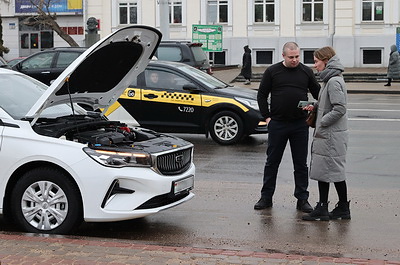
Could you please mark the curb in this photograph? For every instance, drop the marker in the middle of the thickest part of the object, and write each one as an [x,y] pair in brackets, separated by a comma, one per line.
[51,249]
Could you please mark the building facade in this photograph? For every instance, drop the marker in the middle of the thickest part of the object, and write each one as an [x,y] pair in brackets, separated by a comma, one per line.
[361,31]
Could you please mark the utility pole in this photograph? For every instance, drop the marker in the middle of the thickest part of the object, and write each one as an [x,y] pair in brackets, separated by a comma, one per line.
[164,18]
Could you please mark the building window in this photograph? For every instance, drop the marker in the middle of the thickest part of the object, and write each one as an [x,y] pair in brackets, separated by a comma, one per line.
[372,57]
[217,58]
[128,13]
[175,12]
[264,57]
[313,10]
[372,10]
[264,11]
[308,57]
[217,11]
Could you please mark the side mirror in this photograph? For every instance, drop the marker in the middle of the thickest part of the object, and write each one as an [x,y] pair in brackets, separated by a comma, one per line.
[191,87]
[17,67]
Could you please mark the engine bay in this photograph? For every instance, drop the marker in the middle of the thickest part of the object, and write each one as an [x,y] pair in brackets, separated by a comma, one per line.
[96,131]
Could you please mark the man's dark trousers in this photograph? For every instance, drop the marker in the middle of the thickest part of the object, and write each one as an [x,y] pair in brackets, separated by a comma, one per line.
[279,133]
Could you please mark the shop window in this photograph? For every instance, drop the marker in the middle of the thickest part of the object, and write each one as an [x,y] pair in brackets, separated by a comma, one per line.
[46,39]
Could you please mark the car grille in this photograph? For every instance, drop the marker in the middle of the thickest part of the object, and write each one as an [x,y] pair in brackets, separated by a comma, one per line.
[162,200]
[174,163]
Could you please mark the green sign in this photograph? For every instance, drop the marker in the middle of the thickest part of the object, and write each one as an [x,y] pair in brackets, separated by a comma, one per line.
[209,35]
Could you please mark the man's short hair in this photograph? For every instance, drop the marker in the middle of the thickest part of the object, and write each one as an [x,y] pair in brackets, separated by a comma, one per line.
[291,45]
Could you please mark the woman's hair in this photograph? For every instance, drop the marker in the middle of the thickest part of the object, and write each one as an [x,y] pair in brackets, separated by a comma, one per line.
[324,53]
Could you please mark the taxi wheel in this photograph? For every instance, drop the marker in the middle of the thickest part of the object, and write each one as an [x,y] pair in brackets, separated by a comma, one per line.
[44,200]
[226,128]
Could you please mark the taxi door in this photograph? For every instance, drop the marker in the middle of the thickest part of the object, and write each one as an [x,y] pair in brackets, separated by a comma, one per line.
[164,104]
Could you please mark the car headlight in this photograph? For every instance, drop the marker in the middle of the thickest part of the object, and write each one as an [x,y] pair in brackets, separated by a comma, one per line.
[248,102]
[119,159]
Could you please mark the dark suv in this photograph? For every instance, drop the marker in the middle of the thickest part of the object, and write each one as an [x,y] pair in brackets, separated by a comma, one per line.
[184,52]
[47,65]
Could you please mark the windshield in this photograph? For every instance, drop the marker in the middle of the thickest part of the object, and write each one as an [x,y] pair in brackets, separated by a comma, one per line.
[202,77]
[18,93]
[199,54]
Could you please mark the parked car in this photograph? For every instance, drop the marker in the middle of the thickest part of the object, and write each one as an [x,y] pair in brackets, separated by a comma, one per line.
[187,100]
[186,52]
[47,65]
[14,61]
[61,164]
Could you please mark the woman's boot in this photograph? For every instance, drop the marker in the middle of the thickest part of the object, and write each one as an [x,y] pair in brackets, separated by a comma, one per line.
[341,211]
[320,213]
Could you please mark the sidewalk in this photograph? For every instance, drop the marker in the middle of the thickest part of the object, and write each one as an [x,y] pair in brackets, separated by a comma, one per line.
[229,75]
[17,248]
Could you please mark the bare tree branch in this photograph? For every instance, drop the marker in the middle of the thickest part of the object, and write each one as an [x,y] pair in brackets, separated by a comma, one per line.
[44,17]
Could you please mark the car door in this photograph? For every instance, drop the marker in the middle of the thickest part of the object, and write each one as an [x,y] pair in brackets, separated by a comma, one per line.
[39,66]
[164,104]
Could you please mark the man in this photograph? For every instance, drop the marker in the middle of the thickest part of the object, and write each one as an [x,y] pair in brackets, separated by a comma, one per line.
[287,83]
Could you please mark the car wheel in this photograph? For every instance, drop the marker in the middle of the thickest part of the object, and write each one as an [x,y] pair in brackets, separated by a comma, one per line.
[226,128]
[44,200]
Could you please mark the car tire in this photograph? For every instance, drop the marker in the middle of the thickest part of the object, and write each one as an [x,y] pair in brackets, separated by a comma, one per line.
[226,128]
[44,200]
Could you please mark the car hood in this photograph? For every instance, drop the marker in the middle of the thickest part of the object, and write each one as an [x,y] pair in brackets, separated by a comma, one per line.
[235,91]
[99,76]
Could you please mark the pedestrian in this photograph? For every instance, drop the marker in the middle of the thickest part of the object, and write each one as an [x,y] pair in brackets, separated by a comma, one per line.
[286,83]
[329,145]
[394,65]
[246,65]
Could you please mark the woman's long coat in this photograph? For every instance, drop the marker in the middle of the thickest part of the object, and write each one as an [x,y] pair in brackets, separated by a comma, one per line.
[329,146]
[246,71]
[394,63]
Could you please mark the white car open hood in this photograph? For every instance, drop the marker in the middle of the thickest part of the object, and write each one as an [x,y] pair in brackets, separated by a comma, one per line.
[99,76]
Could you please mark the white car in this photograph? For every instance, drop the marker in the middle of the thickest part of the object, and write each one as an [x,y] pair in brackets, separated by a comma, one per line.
[61,164]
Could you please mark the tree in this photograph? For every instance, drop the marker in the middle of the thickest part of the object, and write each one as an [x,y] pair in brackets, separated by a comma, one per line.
[45,17]
[2,48]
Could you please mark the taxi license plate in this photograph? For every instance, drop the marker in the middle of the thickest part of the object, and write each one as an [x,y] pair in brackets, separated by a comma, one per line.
[183,184]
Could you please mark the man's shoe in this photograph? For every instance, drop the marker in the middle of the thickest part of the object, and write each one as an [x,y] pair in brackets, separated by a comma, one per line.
[263,203]
[304,206]
[387,84]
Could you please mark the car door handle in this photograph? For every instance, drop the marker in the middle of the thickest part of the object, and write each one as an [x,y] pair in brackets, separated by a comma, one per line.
[150,96]
[46,72]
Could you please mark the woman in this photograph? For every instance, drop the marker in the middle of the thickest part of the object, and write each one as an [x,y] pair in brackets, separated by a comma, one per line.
[329,146]
[394,65]
[246,65]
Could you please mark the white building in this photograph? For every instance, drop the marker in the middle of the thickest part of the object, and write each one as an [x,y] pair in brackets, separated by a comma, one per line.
[361,31]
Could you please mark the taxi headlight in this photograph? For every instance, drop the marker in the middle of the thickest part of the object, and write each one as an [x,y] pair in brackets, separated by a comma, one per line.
[119,159]
[248,102]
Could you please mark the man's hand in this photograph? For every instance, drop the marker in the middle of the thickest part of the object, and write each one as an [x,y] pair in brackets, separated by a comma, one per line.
[309,107]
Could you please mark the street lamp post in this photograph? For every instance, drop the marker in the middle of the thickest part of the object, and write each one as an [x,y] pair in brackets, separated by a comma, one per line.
[164,18]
